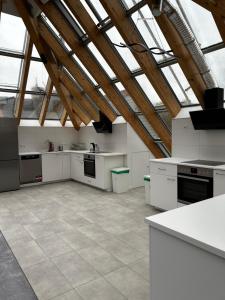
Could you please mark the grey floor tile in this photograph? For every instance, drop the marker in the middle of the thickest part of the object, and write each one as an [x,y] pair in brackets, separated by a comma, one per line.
[100,259]
[94,232]
[53,245]
[28,253]
[99,289]
[75,269]
[72,295]
[16,232]
[129,283]
[121,250]
[141,267]
[39,230]
[47,281]
[77,240]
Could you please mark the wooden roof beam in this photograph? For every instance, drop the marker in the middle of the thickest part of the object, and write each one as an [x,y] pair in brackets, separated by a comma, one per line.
[64,117]
[68,34]
[75,71]
[183,55]
[23,78]
[46,100]
[124,24]
[46,55]
[77,94]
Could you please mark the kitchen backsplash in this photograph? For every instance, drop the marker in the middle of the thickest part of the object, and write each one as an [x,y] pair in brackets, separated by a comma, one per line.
[190,143]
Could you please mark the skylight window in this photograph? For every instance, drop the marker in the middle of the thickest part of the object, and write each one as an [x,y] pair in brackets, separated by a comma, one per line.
[101,60]
[216,62]
[125,53]
[55,108]
[7,104]
[149,90]
[95,10]
[32,106]
[127,97]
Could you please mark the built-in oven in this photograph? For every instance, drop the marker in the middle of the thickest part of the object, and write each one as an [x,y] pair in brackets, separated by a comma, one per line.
[194,184]
[89,165]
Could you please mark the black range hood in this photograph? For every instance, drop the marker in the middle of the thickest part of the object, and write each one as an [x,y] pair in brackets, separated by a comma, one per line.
[213,114]
[104,125]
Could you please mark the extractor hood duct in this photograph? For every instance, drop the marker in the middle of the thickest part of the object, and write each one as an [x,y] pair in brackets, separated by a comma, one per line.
[213,114]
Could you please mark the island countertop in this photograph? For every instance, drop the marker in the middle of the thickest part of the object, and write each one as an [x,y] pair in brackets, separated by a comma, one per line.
[201,224]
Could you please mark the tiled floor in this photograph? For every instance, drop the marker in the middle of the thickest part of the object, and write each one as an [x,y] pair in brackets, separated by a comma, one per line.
[75,242]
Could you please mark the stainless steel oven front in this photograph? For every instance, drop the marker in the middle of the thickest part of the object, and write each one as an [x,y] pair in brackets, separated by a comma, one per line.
[194,184]
[89,165]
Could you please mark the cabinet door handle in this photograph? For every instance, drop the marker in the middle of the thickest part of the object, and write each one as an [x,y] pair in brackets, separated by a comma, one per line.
[220,174]
[171,179]
[161,169]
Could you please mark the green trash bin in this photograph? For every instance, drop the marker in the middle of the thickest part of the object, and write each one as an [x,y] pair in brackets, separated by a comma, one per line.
[120,179]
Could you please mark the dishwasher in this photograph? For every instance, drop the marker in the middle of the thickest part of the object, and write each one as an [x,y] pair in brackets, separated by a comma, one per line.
[30,168]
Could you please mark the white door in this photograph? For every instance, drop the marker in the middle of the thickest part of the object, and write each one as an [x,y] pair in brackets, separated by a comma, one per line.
[219,183]
[163,191]
[51,167]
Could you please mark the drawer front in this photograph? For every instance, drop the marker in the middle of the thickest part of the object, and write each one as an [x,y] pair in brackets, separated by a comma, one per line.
[163,169]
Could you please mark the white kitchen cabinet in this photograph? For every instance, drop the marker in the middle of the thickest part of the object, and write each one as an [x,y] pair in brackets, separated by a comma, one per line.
[66,161]
[219,182]
[163,192]
[51,167]
[77,167]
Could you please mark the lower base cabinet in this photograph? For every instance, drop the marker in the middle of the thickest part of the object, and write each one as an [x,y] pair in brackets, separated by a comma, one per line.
[163,192]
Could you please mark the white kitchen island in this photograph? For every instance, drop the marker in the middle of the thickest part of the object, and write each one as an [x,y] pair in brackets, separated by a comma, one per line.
[187,252]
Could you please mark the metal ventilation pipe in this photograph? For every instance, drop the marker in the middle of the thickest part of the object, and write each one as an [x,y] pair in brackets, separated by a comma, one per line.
[157,8]
[190,42]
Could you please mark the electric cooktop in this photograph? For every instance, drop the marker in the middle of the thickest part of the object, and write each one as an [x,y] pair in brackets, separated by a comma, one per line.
[204,162]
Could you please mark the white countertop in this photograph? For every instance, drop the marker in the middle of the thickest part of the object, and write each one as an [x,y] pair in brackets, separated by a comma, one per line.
[169,160]
[105,154]
[29,153]
[201,224]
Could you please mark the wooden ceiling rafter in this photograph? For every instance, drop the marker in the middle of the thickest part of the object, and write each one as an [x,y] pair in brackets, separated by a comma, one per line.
[75,71]
[45,53]
[123,24]
[63,117]
[184,57]
[46,100]
[23,78]
[67,32]
[77,94]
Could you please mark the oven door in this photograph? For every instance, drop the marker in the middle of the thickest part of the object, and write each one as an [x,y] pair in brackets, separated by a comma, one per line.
[192,189]
[89,168]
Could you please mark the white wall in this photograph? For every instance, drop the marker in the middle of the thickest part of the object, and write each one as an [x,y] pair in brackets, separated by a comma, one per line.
[35,138]
[115,142]
[190,143]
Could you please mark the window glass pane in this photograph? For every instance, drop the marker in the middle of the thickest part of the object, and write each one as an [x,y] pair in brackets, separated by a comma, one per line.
[9,71]
[12,32]
[32,106]
[180,85]
[199,19]
[108,100]
[150,31]
[55,108]
[148,126]
[125,53]
[166,117]
[37,77]
[129,3]
[127,97]
[216,61]
[35,52]
[7,104]
[101,60]
[148,90]
[84,69]
[98,12]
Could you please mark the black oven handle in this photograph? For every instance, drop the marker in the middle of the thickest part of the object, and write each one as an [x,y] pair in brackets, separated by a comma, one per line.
[194,178]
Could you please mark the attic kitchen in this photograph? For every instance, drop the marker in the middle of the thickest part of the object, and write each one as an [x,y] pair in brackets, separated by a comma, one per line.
[112,150]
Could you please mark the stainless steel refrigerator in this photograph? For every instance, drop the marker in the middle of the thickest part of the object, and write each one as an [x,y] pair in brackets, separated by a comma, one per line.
[9,155]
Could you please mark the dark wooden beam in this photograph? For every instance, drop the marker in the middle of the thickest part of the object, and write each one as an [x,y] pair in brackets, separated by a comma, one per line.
[23,78]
